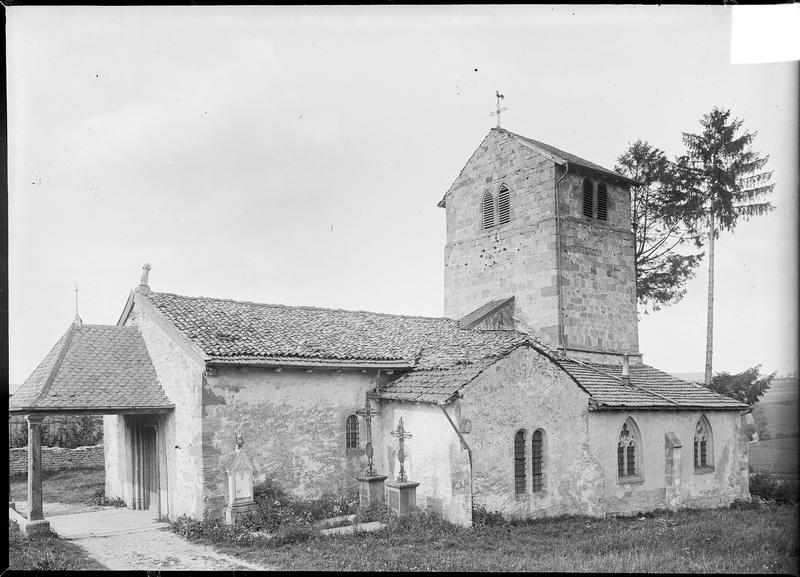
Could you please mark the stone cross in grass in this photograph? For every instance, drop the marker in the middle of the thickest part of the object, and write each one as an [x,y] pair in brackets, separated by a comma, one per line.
[401,434]
[368,413]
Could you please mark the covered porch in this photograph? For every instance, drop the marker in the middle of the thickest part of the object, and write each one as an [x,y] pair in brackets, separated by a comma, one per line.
[99,370]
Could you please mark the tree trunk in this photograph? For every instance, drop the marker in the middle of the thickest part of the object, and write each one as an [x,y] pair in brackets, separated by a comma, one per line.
[710,322]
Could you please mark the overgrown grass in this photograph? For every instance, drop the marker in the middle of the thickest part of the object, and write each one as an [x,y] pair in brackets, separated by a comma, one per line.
[99,498]
[46,553]
[70,486]
[755,540]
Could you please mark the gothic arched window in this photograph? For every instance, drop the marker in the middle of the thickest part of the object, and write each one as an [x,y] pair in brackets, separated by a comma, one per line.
[520,484]
[488,210]
[351,432]
[588,198]
[537,460]
[629,452]
[602,201]
[503,205]
[703,445]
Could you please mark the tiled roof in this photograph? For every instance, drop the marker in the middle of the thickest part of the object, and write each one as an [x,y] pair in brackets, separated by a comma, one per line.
[233,332]
[483,311]
[567,156]
[648,388]
[93,367]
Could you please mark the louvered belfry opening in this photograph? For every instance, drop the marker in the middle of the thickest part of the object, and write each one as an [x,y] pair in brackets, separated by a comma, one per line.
[503,205]
[602,201]
[488,210]
[519,462]
[588,198]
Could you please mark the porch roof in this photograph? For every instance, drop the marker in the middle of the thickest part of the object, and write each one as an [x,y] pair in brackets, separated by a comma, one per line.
[93,369]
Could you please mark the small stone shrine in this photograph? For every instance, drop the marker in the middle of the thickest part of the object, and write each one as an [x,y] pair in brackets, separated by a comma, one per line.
[240,484]
[370,485]
[402,493]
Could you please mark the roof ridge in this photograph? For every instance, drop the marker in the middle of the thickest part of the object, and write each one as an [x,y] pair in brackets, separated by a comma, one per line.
[51,377]
[304,307]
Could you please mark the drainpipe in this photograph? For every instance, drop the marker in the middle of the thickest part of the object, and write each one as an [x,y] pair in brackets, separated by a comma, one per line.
[561,344]
[469,454]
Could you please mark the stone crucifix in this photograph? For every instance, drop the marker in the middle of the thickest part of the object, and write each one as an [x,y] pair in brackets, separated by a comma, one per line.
[368,413]
[401,434]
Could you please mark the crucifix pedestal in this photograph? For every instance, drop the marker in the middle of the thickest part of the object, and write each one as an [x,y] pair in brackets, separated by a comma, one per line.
[36,523]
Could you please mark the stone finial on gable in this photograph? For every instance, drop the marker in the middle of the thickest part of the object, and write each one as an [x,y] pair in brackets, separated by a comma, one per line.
[143,286]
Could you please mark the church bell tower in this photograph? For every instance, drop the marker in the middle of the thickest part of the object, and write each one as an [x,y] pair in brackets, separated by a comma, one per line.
[552,230]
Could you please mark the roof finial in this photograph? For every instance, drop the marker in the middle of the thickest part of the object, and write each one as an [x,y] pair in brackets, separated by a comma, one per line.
[143,286]
[77,320]
[499,110]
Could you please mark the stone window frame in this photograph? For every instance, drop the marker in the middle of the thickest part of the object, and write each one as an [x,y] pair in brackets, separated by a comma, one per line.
[542,469]
[487,200]
[496,200]
[519,463]
[594,199]
[702,428]
[633,439]
[351,432]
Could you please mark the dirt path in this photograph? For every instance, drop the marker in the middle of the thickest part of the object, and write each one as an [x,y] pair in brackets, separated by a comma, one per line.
[160,550]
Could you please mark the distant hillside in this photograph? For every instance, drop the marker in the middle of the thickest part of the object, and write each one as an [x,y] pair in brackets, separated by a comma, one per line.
[691,377]
[776,414]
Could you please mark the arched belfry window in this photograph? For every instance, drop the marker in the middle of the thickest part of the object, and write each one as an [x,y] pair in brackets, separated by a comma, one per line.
[537,461]
[629,452]
[602,201]
[520,483]
[503,205]
[351,432]
[588,198]
[488,210]
[703,445]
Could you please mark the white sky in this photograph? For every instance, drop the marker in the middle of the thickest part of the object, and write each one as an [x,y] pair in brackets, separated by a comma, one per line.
[295,155]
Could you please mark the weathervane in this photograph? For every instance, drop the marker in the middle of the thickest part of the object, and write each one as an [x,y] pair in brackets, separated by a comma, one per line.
[77,316]
[499,110]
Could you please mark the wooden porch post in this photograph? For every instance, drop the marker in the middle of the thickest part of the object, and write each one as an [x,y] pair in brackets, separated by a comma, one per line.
[36,523]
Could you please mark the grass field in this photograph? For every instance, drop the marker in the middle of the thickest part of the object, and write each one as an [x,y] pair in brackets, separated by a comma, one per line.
[72,489]
[46,554]
[776,414]
[777,456]
[720,540]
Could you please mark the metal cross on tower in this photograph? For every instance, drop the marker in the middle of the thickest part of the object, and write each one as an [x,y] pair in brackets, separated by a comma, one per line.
[499,110]
[401,435]
[368,413]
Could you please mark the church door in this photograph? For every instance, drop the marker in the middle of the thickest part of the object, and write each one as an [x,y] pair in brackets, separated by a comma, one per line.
[143,460]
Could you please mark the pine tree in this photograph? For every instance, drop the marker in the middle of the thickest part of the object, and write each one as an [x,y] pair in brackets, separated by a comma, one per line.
[734,186]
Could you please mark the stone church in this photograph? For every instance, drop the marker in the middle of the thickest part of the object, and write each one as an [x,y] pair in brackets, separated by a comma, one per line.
[529,396]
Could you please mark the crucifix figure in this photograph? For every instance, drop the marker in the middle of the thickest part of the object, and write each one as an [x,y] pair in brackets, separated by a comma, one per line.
[499,110]
[368,413]
[401,435]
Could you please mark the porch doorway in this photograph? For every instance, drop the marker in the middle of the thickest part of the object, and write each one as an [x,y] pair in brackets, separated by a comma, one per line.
[144,472]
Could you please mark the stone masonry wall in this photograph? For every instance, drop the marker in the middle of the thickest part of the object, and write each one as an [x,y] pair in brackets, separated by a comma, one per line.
[727,481]
[517,258]
[58,458]
[599,280]
[181,377]
[293,426]
[526,391]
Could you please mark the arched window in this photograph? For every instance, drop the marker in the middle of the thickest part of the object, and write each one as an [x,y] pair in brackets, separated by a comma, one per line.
[602,201]
[351,432]
[488,210]
[703,445]
[503,205]
[537,460]
[520,484]
[588,198]
[629,451]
